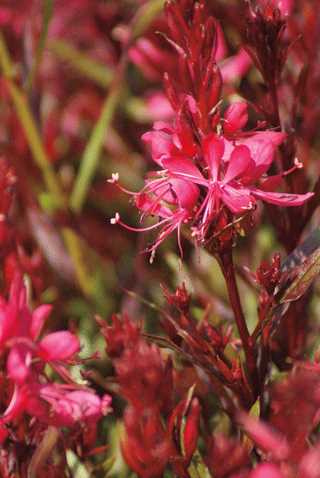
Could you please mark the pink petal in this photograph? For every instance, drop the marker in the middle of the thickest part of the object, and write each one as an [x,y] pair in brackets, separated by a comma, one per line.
[265,437]
[161,145]
[187,193]
[266,470]
[262,147]
[58,346]
[184,169]
[282,199]
[18,363]
[221,50]
[39,316]
[240,161]
[69,408]
[17,404]
[235,66]
[235,117]
[213,149]
[158,106]
[237,200]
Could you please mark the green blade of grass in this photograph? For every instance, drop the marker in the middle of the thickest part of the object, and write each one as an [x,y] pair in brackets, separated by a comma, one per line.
[46,17]
[91,69]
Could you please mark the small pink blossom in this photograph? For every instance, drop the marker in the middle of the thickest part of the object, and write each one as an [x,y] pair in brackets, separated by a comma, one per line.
[266,470]
[195,183]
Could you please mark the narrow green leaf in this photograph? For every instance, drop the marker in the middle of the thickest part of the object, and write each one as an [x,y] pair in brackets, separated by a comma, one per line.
[90,159]
[78,468]
[198,468]
[91,155]
[46,17]
[308,271]
[145,16]
[299,269]
[91,69]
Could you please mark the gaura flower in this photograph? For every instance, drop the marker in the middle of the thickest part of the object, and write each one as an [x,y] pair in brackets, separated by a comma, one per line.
[226,172]
[20,329]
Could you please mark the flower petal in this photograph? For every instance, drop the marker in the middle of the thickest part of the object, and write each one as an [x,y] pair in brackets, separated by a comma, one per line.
[282,199]
[187,193]
[161,145]
[239,163]
[213,149]
[184,169]
[237,200]
[235,117]
[39,316]
[262,147]
[18,363]
[58,346]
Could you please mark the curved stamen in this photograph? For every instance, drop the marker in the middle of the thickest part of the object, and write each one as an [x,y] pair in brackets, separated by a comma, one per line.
[117,220]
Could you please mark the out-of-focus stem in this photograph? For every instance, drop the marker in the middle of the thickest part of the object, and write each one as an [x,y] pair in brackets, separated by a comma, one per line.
[227,267]
[41,158]
[43,451]
[92,69]
[23,112]
[75,249]
[275,103]
[91,156]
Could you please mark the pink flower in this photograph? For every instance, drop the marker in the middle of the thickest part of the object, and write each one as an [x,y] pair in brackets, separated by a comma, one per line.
[229,176]
[19,332]
[56,404]
[198,181]
[266,470]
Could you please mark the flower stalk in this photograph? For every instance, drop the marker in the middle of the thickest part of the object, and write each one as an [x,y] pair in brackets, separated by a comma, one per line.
[225,260]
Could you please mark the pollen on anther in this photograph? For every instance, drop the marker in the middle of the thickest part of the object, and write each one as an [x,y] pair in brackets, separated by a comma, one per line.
[115,219]
[114,178]
[298,164]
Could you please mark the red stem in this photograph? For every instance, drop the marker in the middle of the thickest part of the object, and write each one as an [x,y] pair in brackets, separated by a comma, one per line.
[227,266]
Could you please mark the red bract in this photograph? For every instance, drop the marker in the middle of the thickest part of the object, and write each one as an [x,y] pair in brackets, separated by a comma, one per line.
[146,446]
[144,376]
[226,456]
[184,429]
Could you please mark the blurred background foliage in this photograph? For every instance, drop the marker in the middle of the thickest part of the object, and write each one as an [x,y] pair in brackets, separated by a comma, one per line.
[77,91]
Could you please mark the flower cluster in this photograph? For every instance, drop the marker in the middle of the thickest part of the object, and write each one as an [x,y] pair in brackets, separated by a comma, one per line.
[212,171]
[27,389]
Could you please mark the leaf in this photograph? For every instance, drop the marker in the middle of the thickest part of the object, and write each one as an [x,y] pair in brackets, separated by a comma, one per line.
[145,16]
[91,154]
[43,451]
[92,69]
[46,17]
[300,269]
[78,468]
[198,468]
[308,272]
